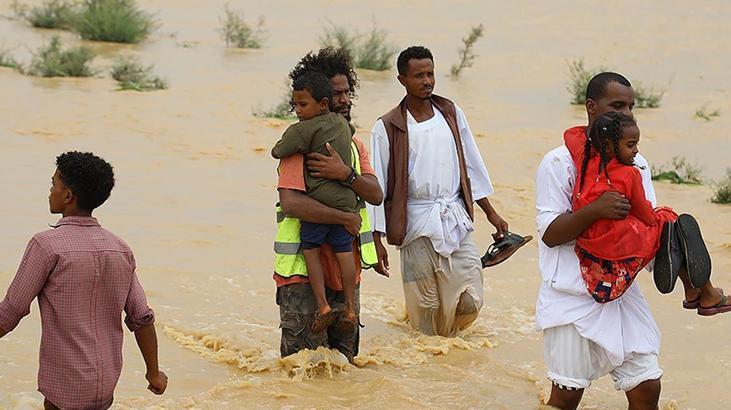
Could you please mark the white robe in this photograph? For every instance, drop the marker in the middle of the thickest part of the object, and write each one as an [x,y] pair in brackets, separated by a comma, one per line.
[622,326]
[434,207]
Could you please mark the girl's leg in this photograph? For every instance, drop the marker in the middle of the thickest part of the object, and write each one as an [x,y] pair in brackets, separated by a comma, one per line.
[346,261]
[317,279]
[707,295]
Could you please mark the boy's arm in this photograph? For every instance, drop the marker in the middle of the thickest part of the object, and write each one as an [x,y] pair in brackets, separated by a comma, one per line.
[298,205]
[140,320]
[641,208]
[32,274]
[295,139]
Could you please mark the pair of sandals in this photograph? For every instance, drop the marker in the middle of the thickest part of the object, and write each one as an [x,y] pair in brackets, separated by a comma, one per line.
[503,248]
[682,246]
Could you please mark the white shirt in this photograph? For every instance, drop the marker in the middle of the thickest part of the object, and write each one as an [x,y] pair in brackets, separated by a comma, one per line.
[434,207]
[622,326]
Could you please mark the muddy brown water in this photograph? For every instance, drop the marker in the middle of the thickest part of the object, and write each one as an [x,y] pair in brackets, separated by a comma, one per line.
[196,189]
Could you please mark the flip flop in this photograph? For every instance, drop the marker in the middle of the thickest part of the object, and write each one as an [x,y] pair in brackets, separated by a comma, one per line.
[696,303]
[696,253]
[503,248]
[322,322]
[668,258]
[721,307]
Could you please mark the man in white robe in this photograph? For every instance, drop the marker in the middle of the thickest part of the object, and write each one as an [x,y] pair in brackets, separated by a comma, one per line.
[441,267]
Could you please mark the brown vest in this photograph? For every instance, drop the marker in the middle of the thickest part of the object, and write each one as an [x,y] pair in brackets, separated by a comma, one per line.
[398,165]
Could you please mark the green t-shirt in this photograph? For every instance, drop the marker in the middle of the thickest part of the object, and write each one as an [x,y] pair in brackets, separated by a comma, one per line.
[311,135]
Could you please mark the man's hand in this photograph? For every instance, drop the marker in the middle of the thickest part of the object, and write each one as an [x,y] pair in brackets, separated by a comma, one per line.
[352,223]
[332,167]
[382,253]
[158,382]
[611,205]
[499,223]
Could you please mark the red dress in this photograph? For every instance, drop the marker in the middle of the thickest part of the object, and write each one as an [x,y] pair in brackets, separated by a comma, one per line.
[612,252]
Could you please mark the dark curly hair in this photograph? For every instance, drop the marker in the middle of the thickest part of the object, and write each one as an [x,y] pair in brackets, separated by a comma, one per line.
[315,83]
[330,62]
[89,177]
[412,53]
[604,133]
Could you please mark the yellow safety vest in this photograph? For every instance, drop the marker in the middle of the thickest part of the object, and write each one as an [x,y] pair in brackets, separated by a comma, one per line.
[288,257]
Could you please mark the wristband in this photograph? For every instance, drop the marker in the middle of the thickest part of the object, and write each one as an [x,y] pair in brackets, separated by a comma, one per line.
[353,175]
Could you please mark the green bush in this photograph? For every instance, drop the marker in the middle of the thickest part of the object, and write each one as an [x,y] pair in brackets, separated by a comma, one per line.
[466,55]
[53,14]
[371,52]
[53,61]
[237,33]
[579,77]
[132,75]
[282,111]
[679,171]
[8,61]
[723,190]
[118,21]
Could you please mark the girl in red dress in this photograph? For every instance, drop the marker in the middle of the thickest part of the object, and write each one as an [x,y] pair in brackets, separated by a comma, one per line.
[612,252]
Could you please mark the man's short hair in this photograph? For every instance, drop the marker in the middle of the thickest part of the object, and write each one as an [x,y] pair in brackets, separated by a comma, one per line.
[315,83]
[330,62]
[89,177]
[412,53]
[597,86]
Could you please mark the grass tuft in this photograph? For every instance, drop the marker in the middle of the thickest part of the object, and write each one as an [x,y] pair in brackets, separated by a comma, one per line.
[679,171]
[132,75]
[371,52]
[117,21]
[52,60]
[705,113]
[466,55]
[283,110]
[723,190]
[52,14]
[8,61]
[579,77]
[237,33]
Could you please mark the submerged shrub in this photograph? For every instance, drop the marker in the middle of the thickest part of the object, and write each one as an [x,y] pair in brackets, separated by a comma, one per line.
[52,14]
[7,60]
[579,77]
[282,110]
[118,21]
[52,60]
[723,190]
[371,52]
[705,113]
[679,171]
[466,55]
[237,33]
[132,75]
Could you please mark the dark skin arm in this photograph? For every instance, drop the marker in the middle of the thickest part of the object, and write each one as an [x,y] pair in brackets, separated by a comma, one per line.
[567,227]
[332,167]
[298,205]
[3,332]
[492,216]
[147,342]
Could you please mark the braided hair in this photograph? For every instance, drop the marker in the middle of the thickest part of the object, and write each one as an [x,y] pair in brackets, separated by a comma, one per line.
[604,133]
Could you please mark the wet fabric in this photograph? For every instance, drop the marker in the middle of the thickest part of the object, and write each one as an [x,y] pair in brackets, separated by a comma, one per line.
[607,280]
[443,295]
[297,308]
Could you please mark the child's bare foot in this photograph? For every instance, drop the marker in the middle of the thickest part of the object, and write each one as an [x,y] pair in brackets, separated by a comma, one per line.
[324,317]
[348,322]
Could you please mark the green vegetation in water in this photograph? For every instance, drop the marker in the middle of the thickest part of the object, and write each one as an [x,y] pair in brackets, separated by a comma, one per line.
[579,77]
[132,75]
[52,60]
[52,14]
[371,51]
[237,33]
[282,111]
[679,171]
[723,190]
[117,21]
[466,54]
[705,113]
[8,61]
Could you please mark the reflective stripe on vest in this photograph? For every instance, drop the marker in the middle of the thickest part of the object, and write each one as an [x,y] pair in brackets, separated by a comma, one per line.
[288,257]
